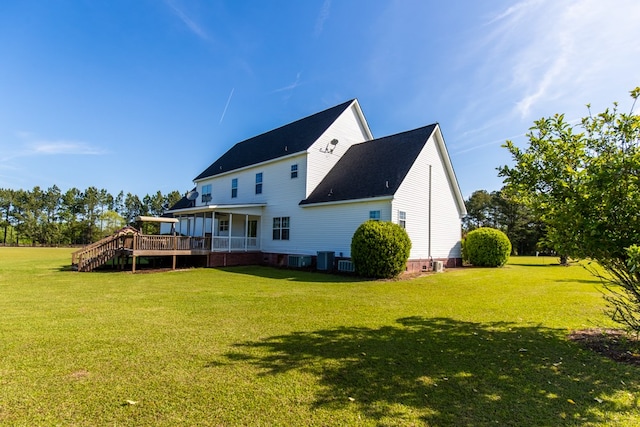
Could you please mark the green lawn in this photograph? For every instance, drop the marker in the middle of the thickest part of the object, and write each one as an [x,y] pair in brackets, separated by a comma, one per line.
[262,347]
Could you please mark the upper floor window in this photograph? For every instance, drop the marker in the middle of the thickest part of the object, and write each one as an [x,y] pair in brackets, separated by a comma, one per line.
[259,183]
[206,193]
[374,215]
[234,187]
[294,171]
[402,219]
[281,228]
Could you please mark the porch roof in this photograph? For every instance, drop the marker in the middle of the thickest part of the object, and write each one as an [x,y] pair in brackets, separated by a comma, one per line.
[254,208]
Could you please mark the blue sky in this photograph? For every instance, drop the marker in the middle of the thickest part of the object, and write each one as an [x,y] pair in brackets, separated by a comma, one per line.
[143,95]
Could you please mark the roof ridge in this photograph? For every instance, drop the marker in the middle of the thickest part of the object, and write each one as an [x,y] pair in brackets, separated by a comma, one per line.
[287,139]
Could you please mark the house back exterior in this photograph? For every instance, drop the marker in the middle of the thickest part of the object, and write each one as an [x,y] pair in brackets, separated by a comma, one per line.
[305,187]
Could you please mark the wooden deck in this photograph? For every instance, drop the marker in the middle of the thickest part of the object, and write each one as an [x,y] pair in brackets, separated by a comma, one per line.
[127,244]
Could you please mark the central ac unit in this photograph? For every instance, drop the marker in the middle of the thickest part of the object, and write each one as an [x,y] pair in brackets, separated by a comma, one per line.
[346,265]
[298,261]
[325,261]
[438,266]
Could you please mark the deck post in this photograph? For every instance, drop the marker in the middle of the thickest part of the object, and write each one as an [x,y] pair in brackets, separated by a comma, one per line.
[133,264]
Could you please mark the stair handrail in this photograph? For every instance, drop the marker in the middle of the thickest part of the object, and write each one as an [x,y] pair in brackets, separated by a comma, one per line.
[85,255]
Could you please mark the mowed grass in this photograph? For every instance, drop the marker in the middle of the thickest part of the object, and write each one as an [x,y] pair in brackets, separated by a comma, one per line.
[256,346]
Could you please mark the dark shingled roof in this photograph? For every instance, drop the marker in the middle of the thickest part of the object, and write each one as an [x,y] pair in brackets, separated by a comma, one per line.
[288,139]
[182,204]
[371,169]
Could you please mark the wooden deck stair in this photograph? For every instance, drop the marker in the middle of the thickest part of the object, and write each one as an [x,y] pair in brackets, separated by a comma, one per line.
[99,253]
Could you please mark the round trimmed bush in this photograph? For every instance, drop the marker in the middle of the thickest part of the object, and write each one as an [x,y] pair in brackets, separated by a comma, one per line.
[380,249]
[487,247]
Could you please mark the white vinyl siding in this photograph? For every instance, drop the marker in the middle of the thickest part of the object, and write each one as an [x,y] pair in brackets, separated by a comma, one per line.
[331,227]
[348,129]
[413,198]
[277,187]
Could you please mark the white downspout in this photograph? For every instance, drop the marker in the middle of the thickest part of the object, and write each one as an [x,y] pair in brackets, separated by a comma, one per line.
[429,236]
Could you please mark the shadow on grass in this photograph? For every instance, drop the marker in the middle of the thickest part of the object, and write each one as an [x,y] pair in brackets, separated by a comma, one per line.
[292,275]
[451,373]
[585,281]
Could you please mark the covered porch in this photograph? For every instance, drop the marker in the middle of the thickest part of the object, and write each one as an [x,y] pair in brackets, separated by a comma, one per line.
[228,228]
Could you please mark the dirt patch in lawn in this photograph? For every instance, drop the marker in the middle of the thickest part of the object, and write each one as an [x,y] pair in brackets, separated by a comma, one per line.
[612,343]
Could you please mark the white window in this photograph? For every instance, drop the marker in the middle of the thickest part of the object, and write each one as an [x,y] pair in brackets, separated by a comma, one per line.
[223,225]
[281,228]
[294,171]
[374,215]
[259,183]
[206,193]
[234,187]
[402,219]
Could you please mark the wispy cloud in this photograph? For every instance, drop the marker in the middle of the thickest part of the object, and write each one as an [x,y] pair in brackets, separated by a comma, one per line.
[516,10]
[495,142]
[226,106]
[291,86]
[63,147]
[322,17]
[190,23]
[555,50]
[33,146]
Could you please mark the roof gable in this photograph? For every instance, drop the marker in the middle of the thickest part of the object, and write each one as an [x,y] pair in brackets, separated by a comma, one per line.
[372,169]
[288,139]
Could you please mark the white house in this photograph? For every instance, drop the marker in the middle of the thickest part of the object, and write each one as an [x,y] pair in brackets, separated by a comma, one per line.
[305,187]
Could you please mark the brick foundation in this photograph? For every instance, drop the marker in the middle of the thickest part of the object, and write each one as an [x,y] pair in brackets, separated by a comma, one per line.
[230,259]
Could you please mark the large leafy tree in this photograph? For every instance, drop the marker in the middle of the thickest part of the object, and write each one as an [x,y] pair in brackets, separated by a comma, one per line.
[585,185]
[480,210]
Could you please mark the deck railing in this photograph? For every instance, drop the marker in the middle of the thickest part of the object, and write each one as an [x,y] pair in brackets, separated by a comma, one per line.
[95,255]
[146,242]
[225,243]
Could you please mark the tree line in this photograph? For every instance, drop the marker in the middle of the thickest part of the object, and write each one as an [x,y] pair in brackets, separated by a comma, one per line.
[54,218]
[525,229]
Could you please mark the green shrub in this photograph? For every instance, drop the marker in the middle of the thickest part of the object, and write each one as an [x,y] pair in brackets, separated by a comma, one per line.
[487,247]
[380,249]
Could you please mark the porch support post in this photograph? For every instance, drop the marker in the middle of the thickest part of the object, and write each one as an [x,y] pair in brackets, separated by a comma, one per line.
[246,231]
[230,229]
[213,227]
